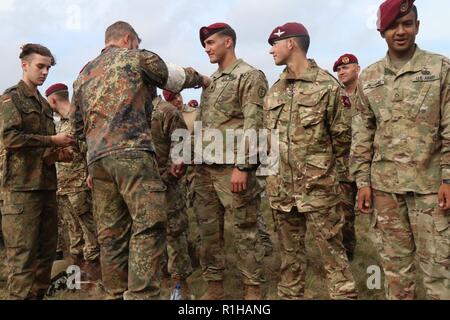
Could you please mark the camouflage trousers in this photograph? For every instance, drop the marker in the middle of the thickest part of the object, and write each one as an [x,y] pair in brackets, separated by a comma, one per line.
[326,229]
[179,262]
[30,235]
[212,200]
[413,225]
[76,211]
[1,232]
[347,208]
[130,212]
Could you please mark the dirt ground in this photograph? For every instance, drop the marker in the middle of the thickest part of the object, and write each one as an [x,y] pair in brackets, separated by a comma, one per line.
[316,284]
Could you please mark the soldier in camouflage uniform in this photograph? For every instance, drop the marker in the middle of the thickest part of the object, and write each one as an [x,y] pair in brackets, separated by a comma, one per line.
[113,99]
[401,155]
[74,196]
[165,120]
[29,214]
[232,102]
[304,105]
[348,69]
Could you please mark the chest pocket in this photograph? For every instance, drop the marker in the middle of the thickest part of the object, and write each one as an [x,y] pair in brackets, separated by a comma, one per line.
[272,112]
[31,119]
[312,108]
[375,91]
[224,96]
[422,95]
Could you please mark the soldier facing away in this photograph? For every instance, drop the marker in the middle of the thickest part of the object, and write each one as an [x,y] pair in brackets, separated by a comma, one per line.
[304,105]
[74,196]
[166,120]
[113,99]
[401,155]
[29,177]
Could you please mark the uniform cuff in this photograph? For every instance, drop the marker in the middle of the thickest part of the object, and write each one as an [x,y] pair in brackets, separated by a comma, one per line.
[363,181]
[446,173]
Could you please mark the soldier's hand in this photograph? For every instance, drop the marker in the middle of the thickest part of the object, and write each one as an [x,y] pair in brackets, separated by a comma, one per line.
[365,202]
[206,82]
[239,181]
[444,197]
[89,182]
[63,140]
[65,155]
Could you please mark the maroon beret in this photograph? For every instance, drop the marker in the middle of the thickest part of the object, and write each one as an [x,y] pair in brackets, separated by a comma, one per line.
[207,32]
[347,58]
[289,30]
[169,95]
[56,88]
[391,10]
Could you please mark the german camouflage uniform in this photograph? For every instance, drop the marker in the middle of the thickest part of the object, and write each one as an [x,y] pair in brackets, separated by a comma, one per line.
[348,187]
[75,202]
[166,119]
[306,111]
[113,99]
[401,148]
[233,101]
[30,210]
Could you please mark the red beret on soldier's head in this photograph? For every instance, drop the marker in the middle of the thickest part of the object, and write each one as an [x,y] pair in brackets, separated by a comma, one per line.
[208,31]
[289,30]
[169,95]
[56,88]
[391,10]
[347,58]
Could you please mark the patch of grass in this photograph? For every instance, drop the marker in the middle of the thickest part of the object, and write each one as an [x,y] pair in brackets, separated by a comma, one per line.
[316,288]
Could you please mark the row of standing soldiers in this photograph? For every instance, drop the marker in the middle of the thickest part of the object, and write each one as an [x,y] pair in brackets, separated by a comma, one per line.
[393,134]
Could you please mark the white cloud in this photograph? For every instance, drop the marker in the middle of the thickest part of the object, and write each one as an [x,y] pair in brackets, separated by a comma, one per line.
[7,5]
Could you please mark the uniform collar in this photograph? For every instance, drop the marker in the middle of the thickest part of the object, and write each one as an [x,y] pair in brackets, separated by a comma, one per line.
[26,89]
[228,70]
[309,75]
[415,64]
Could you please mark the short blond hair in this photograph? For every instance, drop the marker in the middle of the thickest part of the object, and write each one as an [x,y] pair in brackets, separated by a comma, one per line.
[118,30]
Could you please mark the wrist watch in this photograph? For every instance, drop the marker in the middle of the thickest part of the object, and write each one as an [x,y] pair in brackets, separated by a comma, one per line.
[446,181]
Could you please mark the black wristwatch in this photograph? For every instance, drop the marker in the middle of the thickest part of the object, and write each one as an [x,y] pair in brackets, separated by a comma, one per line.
[446,181]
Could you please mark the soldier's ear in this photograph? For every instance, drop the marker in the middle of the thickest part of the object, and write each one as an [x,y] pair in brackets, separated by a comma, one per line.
[418,27]
[24,64]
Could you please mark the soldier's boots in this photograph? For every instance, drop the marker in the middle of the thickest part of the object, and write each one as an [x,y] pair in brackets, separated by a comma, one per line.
[215,291]
[92,270]
[253,293]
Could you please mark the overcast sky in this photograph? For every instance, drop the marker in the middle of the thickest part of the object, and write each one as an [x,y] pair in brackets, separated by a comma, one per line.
[74,30]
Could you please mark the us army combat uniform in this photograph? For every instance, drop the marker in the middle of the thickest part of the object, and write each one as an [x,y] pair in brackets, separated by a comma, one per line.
[165,120]
[29,213]
[113,99]
[304,195]
[75,202]
[401,148]
[233,101]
